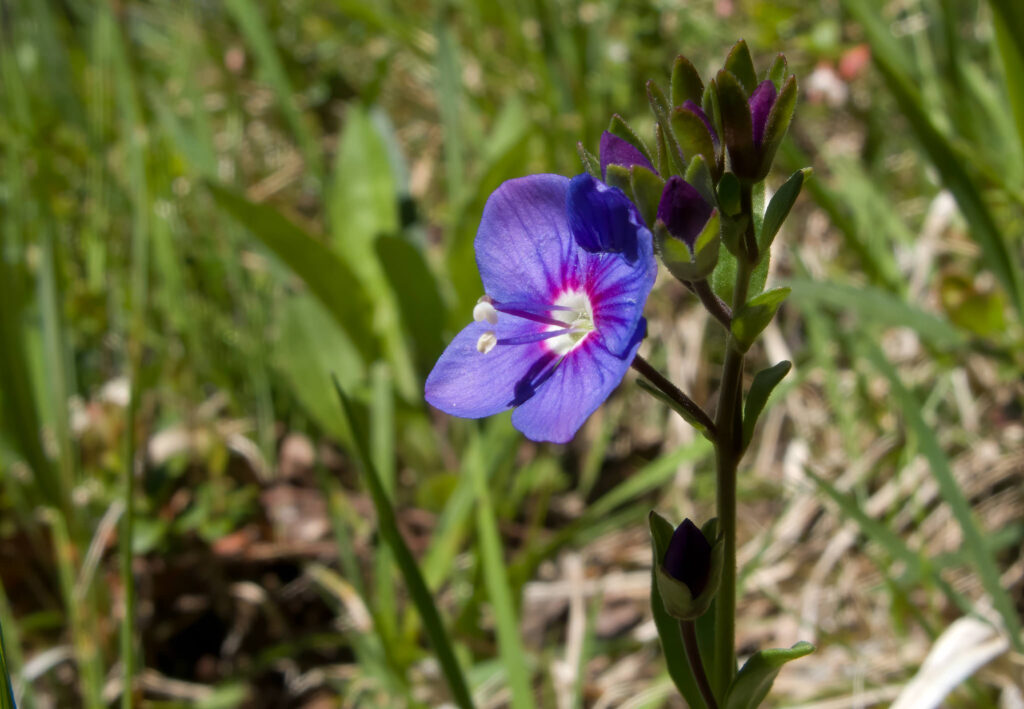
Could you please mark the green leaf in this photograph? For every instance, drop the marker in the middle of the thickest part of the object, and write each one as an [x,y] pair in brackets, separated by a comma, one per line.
[618,127]
[778,209]
[737,125]
[693,136]
[741,65]
[660,107]
[618,176]
[777,124]
[668,627]
[755,678]
[753,317]
[699,176]
[680,261]
[686,82]
[646,190]
[387,526]
[590,163]
[1008,19]
[6,688]
[326,275]
[761,388]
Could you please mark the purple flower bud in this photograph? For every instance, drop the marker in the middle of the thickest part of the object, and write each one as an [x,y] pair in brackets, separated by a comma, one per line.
[683,211]
[699,112]
[761,102]
[616,151]
[688,557]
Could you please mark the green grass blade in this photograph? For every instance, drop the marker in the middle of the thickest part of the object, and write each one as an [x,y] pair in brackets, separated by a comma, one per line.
[510,646]
[382,453]
[973,536]
[1008,19]
[7,690]
[388,529]
[996,253]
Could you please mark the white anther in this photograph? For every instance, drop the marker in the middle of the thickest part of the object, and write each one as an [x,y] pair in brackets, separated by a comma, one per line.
[486,342]
[483,310]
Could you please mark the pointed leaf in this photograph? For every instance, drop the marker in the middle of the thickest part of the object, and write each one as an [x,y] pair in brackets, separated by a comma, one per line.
[741,65]
[753,317]
[686,82]
[660,107]
[646,190]
[693,136]
[764,383]
[778,208]
[698,175]
[618,176]
[620,128]
[591,164]
[756,676]
[776,73]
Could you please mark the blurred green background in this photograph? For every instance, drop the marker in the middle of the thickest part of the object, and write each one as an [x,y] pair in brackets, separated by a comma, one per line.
[207,208]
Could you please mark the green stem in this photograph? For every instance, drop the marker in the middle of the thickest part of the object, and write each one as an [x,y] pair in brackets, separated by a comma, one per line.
[728,451]
[712,303]
[688,628]
[673,392]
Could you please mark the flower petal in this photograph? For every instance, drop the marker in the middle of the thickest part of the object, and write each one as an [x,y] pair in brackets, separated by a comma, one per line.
[524,238]
[467,383]
[602,218]
[616,151]
[760,106]
[618,291]
[577,386]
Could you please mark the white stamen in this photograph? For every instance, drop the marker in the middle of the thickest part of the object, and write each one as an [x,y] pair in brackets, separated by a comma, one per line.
[578,318]
[484,310]
[486,342]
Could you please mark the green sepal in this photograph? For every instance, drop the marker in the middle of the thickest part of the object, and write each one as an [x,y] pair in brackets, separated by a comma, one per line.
[709,104]
[689,265]
[686,82]
[775,128]
[753,317]
[776,73]
[754,680]
[741,65]
[590,163]
[734,223]
[737,126]
[728,198]
[618,127]
[699,176]
[778,209]
[693,136]
[761,388]
[660,107]
[679,601]
[618,176]
[646,189]
[661,164]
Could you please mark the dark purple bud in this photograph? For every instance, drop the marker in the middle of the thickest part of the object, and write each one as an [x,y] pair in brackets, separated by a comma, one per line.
[602,219]
[761,102]
[688,557]
[616,151]
[683,211]
[699,112]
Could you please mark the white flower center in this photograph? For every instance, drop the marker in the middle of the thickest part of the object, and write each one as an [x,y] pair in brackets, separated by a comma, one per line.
[579,318]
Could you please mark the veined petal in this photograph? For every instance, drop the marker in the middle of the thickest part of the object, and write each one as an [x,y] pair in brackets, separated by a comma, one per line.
[616,151]
[602,218]
[577,386]
[618,291]
[524,238]
[470,384]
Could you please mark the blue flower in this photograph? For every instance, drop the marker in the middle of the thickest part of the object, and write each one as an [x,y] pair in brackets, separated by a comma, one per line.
[559,324]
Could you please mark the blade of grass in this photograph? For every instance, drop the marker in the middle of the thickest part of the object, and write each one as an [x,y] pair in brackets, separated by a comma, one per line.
[1008,19]
[382,453]
[7,690]
[12,655]
[973,536]
[389,532]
